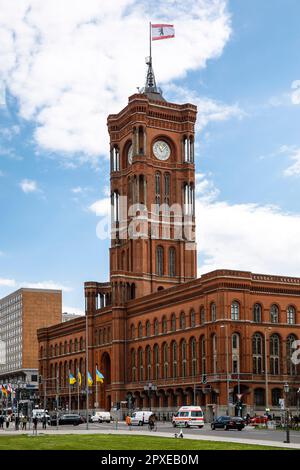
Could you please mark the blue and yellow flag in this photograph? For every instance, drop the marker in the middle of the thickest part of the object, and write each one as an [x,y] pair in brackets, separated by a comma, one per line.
[90,380]
[72,379]
[79,377]
[99,376]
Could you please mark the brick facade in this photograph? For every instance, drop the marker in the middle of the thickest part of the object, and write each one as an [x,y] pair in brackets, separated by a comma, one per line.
[204,340]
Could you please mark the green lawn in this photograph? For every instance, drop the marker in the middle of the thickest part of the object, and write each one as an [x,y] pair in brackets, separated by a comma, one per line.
[112,442]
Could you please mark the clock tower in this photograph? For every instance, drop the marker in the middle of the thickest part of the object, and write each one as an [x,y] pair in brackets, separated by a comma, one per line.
[152,192]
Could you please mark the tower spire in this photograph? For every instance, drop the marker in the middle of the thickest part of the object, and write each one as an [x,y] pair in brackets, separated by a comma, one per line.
[151,89]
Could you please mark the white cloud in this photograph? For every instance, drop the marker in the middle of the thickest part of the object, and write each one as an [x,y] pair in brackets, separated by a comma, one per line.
[295,96]
[293,153]
[75,310]
[45,285]
[77,190]
[208,110]
[29,186]
[71,63]
[101,207]
[7,282]
[260,239]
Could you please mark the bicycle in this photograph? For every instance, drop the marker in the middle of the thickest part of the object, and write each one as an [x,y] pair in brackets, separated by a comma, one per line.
[152,427]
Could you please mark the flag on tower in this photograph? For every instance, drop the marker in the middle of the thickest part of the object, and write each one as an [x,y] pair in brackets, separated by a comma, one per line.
[79,377]
[162,31]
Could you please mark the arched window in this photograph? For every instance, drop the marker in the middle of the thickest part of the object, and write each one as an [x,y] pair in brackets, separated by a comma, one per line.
[165,361]
[115,201]
[159,261]
[65,347]
[76,345]
[164,325]
[157,191]
[174,360]
[192,319]
[140,365]
[156,361]
[148,328]
[71,346]
[259,397]
[148,362]
[167,189]
[214,354]
[203,355]
[274,314]
[140,330]
[257,353]
[172,262]
[156,326]
[274,355]
[235,311]
[291,315]
[193,357]
[60,349]
[213,312]
[183,359]
[257,313]
[56,349]
[202,316]
[173,322]
[81,343]
[133,365]
[182,321]
[276,396]
[235,353]
[132,332]
[290,366]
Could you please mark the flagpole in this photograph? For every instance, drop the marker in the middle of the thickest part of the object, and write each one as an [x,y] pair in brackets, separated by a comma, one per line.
[87,368]
[69,390]
[77,391]
[96,387]
[150,41]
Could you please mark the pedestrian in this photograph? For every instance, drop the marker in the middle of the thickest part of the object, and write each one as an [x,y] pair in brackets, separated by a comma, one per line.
[17,422]
[7,421]
[44,421]
[1,421]
[35,423]
[25,419]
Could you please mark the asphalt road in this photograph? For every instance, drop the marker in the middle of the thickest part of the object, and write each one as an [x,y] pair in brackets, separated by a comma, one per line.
[248,432]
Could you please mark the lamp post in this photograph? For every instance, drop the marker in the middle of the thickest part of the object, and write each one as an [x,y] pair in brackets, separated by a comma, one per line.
[266,368]
[227,366]
[149,388]
[287,428]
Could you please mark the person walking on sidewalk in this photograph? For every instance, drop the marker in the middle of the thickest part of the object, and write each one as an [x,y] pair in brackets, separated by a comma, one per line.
[1,421]
[7,421]
[35,423]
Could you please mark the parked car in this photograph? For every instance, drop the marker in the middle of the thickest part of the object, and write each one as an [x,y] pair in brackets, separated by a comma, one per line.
[139,418]
[70,419]
[227,422]
[188,416]
[256,420]
[101,417]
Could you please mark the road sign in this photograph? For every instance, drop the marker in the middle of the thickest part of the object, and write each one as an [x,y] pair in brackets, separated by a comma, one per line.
[239,396]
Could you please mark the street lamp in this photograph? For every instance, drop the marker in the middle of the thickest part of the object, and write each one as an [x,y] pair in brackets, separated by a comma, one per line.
[149,388]
[266,368]
[227,366]
[286,389]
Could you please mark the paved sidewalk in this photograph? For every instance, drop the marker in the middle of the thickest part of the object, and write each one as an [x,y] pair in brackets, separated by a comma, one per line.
[154,434]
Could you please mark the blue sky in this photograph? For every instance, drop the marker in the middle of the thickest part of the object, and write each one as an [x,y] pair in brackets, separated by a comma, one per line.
[59,79]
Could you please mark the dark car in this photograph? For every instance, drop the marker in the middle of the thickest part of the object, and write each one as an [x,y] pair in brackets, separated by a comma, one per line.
[70,419]
[227,422]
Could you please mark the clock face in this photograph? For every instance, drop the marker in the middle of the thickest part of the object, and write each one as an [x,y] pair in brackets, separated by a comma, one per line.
[130,154]
[161,150]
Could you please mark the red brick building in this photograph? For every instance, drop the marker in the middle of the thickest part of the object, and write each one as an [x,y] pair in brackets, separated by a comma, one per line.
[206,340]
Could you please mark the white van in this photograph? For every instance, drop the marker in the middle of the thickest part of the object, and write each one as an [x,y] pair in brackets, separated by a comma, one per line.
[139,418]
[101,417]
[40,413]
[188,416]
